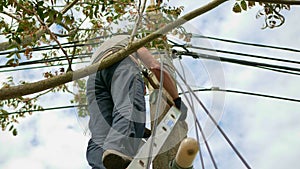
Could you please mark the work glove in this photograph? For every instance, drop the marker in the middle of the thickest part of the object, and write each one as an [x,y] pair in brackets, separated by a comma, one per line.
[179,104]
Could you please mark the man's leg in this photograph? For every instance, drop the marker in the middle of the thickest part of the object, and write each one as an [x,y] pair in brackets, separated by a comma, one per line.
[100,108]
[94,155]
[127,89]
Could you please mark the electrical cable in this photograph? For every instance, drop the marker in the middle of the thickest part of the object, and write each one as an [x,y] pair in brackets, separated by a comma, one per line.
[235,53]
[49,47]
[39,67]
[218,127]
[65,45]
[44,109]
[213,89]
[56,59]
[237,61]
[245,43]
[194,54]
[197,123]
[45,48]
[282,69]
[245,54]
[155,123]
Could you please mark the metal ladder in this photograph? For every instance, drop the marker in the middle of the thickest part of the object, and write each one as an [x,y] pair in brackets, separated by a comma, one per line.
[164,129]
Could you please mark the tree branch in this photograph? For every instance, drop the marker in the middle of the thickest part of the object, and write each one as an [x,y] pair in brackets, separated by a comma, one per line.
[138,19]
[30,38]
[55,39]
[286,2]
[30,88]
[10,15]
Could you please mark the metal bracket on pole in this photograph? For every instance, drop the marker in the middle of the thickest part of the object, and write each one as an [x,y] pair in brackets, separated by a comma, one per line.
[164,129]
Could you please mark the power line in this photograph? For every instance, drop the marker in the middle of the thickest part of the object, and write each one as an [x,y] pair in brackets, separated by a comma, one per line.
[280,71]
[44,109]
[50,47]
[238,61]
[194,54]
[197,124]
[216,124]
[278,68]
[47,47]
[55,59]
[183,46]
[39,67]
[216,89]
[246,43]
[213,89]
[244,54]
[77,43]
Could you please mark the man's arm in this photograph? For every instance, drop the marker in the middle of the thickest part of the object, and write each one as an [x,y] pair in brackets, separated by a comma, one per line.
[154,66]
[168,83]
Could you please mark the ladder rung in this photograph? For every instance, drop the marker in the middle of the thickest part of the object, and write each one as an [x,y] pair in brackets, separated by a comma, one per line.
[164,129]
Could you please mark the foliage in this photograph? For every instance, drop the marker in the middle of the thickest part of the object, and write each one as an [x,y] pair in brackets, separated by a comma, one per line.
[48,23]
[271,12]
[22,104]
[80,97]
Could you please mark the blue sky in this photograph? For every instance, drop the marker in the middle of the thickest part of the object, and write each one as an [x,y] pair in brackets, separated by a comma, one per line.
[265,131]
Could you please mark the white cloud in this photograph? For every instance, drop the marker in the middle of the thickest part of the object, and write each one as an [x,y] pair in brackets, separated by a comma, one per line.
[264,130]
[46,140]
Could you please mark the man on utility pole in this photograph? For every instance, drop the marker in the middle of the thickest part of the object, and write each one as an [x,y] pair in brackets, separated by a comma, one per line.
[117,106]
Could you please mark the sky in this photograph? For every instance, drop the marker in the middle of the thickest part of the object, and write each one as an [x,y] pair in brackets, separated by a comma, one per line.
[265,131]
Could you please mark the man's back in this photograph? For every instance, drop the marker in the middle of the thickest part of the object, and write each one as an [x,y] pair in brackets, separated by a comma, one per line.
[115,43]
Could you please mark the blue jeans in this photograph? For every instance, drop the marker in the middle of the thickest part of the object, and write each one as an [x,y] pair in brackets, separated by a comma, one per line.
[117,111]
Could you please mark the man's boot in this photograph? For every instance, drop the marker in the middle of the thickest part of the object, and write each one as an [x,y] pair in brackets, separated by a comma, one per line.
[113,159]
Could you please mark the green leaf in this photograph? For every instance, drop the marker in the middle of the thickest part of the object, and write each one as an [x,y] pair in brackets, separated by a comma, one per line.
[10,55]
[18,55]
[91,13]
[18,40]
[102,8]
[11,127]
[3,111]
[20,27]
[10,62]
[51,15]
[59,18]
[237,8]
[40,12]
[96,11]
[15,132]
[244,5]
[251,4]
[40,3]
